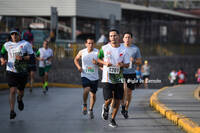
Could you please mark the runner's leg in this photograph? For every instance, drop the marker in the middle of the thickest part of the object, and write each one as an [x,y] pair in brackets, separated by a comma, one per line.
[92,100]
[32,75]
[85,97]
[123,101]
[85,94]
[128,98]
[12,98]
[115,108]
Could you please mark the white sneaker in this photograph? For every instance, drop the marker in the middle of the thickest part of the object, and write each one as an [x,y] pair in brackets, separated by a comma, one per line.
[113,124]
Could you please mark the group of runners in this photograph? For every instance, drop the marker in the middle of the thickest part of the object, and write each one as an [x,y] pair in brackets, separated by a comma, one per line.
[118,63]
[20,60]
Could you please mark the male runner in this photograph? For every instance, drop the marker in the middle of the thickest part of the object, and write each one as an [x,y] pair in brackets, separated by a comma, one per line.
[114,59]
[89,74]
[28,36]
[45,56]
[130,72]
[19,52]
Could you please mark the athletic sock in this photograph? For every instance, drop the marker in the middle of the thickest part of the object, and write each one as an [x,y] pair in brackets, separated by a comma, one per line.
[46,83]
[123,107]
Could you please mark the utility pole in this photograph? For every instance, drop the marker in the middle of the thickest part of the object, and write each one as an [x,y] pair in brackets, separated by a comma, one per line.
[54,24]
[175,3]
[187,4]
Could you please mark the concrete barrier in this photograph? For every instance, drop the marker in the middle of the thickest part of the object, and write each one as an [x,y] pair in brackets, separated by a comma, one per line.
[180,120]
[197,93]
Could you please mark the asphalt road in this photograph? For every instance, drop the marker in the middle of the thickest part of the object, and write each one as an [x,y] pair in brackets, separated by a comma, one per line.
[60,112]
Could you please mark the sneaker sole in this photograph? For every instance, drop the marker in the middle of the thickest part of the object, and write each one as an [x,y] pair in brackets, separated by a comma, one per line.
[13,117]
[112,126]
[102,112]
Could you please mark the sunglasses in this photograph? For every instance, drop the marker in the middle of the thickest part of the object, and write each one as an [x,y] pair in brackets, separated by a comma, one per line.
[14,33]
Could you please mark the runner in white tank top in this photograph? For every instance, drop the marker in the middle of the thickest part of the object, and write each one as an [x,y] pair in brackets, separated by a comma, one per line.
[90,70]
[89,74]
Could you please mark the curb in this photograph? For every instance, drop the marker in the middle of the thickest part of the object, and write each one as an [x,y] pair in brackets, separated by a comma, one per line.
[63,85]
[197,93]
[178,119]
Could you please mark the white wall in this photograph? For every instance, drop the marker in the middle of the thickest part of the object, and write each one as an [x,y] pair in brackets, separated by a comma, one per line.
[98,9]
[37,7]
[84,8]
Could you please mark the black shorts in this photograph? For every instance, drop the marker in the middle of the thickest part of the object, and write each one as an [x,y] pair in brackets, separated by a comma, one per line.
[88,83]
[18,80]
[109,89]
[32,64]
[131,80]
[32,67]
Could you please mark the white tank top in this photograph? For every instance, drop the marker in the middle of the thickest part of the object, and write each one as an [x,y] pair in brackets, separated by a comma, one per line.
[90,70]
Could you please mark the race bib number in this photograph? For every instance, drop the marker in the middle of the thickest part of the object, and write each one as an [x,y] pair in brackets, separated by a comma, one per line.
[89,69]
[113,70]
[16,53]
[47,63]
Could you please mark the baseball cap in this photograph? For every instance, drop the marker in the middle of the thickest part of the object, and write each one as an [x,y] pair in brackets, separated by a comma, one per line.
[14,31]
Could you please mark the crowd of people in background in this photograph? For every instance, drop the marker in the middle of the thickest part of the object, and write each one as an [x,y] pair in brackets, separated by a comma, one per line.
[180,76]
[177,77]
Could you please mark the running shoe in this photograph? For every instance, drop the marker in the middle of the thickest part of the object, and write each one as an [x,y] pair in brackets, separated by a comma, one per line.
[84,110]
[104,113]
[91,115]
[112,123]
[46,88]
[20,104]
[12,115]
[126,114]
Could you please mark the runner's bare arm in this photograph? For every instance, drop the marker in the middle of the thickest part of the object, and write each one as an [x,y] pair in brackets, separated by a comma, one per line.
[38,56]
[120,64]
[76,61]
[138,61]
[23,57]
[50,58]
[2,55]
[104,63]
[97,63]
[3,61]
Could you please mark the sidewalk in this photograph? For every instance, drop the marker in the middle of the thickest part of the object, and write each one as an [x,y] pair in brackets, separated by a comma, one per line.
[178,104]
